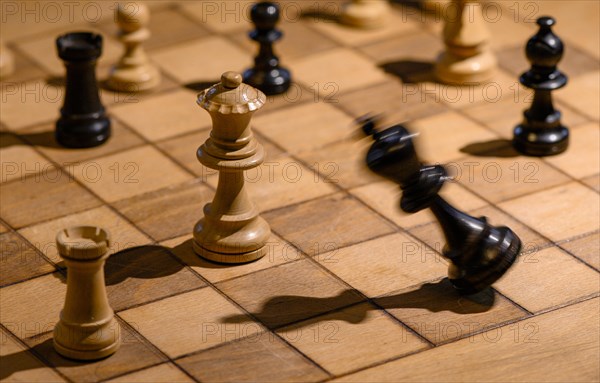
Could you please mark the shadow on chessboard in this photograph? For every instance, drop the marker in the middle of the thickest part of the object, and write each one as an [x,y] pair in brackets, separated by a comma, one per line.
[493,148]
[22,361]
[44,139]
[201,85]
[410,71]
[434,297]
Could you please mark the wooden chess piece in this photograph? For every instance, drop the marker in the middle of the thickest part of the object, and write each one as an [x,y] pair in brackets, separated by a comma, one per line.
[7,61]
[267,75]
[479,253]
[83,122]
[87,329]
[541,132]
[231,231]
[366,14]
[468,58]
[134,72]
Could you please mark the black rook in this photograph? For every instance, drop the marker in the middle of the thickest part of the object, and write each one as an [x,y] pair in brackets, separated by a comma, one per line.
[479,253]
[541,132]
[83,122]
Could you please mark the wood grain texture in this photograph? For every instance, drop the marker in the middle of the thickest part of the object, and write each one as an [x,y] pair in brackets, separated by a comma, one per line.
[313,233]
[352,338]
[389,263]
[190,322]
[290,292]
[439,314]
[414,328]
[579,209]
[163,373]
[564,339]
[19,365]
[19,260]
[146,273]
[35,199]
[539,292]
[133,354]
[259,358]
[586,248]
[124,235]
[38,313]
[168,212]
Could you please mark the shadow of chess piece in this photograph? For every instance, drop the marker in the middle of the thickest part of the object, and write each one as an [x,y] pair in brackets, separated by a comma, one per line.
[479,253]
[541,133]
[231,231]
[266,75]
[7,61]
[83,122]
[366,14]
[468,58]
[87,329]
[134,72]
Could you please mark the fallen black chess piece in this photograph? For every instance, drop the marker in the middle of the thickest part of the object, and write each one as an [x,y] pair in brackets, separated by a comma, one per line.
[479,253]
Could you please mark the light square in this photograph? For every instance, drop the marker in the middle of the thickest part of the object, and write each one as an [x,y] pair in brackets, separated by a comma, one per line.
[323,123]
[352,338]
[558,213]
[189,322]
[202,60]
[19,99]
[129,173]
[336,71]
[387,264]
[183,116]
[19,160]
[442,136]
[545,280]
[582,158]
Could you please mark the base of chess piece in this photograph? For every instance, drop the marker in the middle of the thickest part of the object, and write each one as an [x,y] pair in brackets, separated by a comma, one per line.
[231,239]
[365,14]
[83,132]
[271,82]
[456,70]
[133,79]
[104,344]
[540,142]
[226,258]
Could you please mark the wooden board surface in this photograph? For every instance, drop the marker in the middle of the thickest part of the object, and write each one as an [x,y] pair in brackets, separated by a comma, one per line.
[351,289]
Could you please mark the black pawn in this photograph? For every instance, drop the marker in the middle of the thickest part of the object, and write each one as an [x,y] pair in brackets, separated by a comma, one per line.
[541,133]
[83,122]
[479,253]
[266,74]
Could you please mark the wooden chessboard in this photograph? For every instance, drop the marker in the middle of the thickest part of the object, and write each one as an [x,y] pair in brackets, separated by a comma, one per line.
[352,289]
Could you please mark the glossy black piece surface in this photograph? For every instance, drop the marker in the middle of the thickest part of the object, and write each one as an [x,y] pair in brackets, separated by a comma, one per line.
[541,132]
[479,253]
[266,75]
[83,122]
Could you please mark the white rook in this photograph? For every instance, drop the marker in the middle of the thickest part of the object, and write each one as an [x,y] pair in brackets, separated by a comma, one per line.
[87,329]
